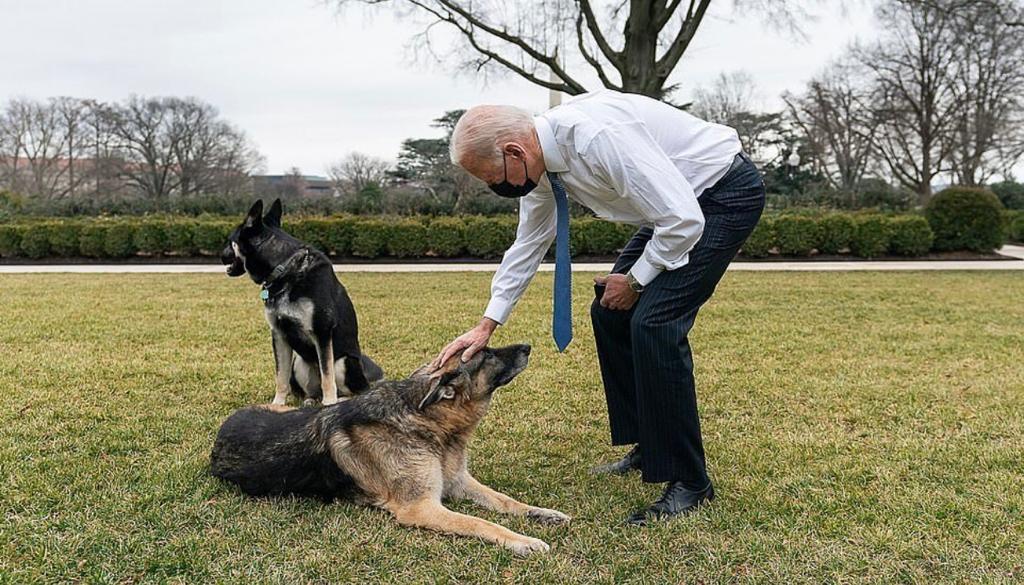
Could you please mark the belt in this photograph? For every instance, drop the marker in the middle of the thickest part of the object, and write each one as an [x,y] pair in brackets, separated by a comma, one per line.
[741,157]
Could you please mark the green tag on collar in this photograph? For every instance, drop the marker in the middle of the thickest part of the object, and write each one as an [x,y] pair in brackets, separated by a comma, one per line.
[264,295]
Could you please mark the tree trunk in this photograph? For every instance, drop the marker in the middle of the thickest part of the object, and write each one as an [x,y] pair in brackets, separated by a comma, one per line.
[640,54]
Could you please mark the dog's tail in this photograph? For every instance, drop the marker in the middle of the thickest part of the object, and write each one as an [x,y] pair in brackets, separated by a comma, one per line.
[371,370]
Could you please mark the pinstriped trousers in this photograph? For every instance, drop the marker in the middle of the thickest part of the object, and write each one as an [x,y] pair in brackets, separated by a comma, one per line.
[645,356]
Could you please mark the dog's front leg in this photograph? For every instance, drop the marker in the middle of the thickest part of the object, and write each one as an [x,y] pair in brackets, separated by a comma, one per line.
[282,367]
[499,502]
[430,514]
[325,355]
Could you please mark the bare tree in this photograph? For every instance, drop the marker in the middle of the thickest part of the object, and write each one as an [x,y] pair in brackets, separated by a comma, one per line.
[630,46]
[13,130]
[838,123]
[140,128]
[43,147]
[732,100]
[174,146]
[73,115]
[730,94]
[1008,12]
[990,86]
[915,68]
[357,170]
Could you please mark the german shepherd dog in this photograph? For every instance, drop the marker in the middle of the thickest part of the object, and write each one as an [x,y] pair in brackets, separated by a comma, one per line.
[313,324]
[400,447]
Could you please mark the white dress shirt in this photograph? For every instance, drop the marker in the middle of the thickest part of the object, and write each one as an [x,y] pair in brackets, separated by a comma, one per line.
[630,159]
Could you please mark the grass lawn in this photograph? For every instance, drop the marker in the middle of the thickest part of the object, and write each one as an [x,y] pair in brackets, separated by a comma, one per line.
[859,427]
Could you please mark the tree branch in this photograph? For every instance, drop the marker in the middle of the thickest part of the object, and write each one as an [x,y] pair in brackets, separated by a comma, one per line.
[569,85]
[590,58]
[668,61]
[615,58]
[475,22]
[666,14]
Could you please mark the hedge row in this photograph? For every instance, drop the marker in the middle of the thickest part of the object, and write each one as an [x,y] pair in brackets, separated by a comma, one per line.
[441,237]
[865,236]
[359,236]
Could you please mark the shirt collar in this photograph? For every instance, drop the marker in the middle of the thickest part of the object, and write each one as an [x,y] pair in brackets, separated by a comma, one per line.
[553,159]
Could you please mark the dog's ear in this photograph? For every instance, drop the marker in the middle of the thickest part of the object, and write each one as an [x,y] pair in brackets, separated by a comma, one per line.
[422,370]
[273,217]
[440,388]
[255,216]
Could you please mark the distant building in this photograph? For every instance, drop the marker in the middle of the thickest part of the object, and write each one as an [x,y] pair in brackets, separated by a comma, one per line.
[294,185]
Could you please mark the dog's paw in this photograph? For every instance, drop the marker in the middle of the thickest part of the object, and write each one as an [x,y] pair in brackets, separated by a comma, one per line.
[328,402]
[547,516]
[309,402]
[279,400]
[528,546]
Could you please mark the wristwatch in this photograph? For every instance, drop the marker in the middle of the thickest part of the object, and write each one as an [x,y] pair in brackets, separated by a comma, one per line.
[633,283]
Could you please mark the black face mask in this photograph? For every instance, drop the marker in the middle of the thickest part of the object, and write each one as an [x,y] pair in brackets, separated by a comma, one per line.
[506,189]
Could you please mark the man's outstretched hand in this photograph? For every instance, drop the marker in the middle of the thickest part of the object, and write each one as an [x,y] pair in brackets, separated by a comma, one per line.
[468,343]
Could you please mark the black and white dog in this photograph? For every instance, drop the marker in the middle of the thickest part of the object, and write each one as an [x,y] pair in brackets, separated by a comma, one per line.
[312,321]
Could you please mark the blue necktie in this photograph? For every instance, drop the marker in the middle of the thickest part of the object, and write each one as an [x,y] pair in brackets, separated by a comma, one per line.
[561,319]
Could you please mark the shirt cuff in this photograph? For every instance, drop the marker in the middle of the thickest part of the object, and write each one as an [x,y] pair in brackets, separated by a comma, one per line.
[498,310]
[643,271]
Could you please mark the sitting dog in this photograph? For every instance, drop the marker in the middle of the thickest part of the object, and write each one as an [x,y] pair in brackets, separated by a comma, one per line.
[313,324]
[401,447]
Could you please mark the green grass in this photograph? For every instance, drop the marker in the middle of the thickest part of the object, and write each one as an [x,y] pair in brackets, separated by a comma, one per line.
[859,427]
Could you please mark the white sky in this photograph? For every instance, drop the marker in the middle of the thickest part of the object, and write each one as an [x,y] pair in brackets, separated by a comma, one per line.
[308,85]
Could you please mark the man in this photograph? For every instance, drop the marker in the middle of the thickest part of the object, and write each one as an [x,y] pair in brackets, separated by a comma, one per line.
[696,197]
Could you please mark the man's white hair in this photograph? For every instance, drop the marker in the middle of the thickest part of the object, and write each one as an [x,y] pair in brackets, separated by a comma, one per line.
[482,130]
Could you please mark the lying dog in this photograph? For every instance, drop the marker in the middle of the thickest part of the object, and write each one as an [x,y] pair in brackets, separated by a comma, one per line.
[401,447]
[312,321]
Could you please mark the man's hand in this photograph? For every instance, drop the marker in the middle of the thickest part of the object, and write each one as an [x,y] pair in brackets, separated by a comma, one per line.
[617,294]
[471,341]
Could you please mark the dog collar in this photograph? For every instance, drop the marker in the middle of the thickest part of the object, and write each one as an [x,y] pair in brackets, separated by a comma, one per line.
[278,272]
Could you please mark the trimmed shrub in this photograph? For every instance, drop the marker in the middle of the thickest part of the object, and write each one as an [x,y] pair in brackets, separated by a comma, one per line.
[1015,226]
[10,240]
[120,240]
[910,235]
[339,230]
[35,241]
[836,232]
[576,243]
[871,236]
[91,240]
[761,240]
[210,237]
[314,231]
[369,238]
[796,235]
[600,237]
[446,237]
[966,218]
[408,238]
[179,233]
[64,236]
[1010,193]
[151,236]
[489,237]
[876,193]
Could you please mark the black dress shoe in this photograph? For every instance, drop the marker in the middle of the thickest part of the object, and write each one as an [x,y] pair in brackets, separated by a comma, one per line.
[676,500]
[631,462]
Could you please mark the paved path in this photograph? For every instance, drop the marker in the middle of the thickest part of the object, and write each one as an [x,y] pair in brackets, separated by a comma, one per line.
[850,266]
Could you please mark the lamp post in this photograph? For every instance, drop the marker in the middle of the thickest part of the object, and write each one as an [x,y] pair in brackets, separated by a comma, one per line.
[792,161]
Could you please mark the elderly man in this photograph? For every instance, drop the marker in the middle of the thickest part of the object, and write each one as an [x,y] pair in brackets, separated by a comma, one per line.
[696,198]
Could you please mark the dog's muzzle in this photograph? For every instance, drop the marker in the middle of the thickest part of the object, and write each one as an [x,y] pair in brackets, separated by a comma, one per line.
[235,265]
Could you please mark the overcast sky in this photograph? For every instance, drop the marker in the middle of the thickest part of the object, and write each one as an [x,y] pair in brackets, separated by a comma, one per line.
[309,85]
